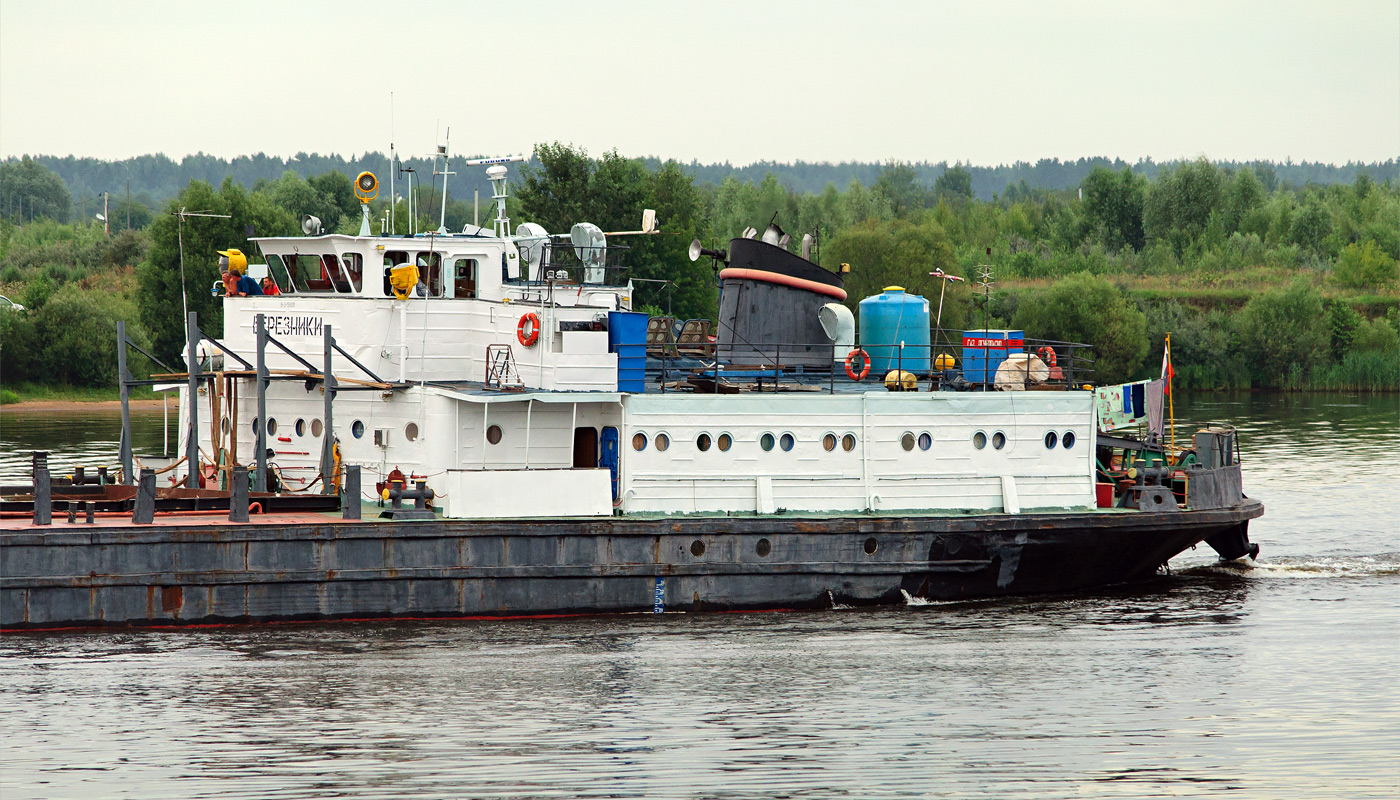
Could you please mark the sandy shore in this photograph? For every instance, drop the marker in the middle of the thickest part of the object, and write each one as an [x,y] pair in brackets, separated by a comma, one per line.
[78,406]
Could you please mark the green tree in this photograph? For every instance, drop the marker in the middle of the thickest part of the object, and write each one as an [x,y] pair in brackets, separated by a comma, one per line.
[898,186]
[1179,204]
[1113,207]
[956,181]
[159,276]
[1284,334]
[79,332]
[898,253]
[29,190]
[1087,308]
[1311,227]
[1365,266]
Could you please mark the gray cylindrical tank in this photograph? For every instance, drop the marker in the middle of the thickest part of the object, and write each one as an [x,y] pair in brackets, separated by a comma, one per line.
[891,317]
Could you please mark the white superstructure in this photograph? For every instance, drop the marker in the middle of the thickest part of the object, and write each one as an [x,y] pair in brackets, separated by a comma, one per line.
[568,443]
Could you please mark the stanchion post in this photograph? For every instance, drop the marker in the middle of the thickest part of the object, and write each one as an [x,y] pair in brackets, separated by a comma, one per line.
[144,512]
[238,495]
[43,496]
[350,493]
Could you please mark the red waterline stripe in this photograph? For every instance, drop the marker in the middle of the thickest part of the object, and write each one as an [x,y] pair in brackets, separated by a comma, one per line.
[783,280]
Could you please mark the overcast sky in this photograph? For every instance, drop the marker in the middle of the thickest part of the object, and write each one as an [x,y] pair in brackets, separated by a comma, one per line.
[984,82]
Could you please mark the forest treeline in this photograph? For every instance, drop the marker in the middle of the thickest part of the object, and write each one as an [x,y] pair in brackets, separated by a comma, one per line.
[1262,283]
[154,179]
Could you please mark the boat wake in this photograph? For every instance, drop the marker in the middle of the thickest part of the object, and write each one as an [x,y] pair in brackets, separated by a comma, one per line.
[1380,565]
[911,600]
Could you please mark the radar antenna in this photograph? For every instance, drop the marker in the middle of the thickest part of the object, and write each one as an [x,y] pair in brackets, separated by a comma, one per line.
[984,280]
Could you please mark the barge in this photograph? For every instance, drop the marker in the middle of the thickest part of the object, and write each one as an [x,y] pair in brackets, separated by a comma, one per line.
[477,424]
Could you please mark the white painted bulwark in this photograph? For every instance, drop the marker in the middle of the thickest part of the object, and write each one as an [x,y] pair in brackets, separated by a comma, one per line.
[537,493]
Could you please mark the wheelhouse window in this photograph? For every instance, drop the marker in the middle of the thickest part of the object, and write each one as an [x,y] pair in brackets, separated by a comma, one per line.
[430,272]
[392,258]
[277,270]
[354,267]
[464,277]
[310,274]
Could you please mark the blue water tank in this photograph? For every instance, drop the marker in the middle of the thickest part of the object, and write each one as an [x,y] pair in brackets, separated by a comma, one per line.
[627,336]
[891,317]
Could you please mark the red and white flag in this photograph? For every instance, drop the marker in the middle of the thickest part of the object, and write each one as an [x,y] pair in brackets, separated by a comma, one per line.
[1167,371]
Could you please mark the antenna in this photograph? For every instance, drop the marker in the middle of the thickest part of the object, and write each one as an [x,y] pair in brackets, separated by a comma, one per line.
[180,235]
[393,165]
[984,279]
[442,151]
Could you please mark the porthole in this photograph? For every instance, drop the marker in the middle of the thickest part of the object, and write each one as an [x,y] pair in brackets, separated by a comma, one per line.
[697,548]
[639,441]
[702,442]
[786,442]
[848,442]
[829,442]
[724,442]
[907,441]
[316,427]
[871,546]
[662,441]
[300,427]
[271,426]
[979,440]
[1050,440]
[410,432]
[1067,441]
[998,440]
[763,548]
[766,441]
[925,441]
[493,434]
[358,429]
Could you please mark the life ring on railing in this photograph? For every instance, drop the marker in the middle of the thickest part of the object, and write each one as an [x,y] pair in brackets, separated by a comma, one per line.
[528,330]
[1047,354]
[865,364]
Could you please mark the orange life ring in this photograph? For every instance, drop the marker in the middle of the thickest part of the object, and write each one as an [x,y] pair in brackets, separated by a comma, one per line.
[531,319]
[864,360]
[1047,354]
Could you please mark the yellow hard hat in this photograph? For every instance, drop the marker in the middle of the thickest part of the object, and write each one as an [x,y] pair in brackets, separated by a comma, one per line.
[237,262]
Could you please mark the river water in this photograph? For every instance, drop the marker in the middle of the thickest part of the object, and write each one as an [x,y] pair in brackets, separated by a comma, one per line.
[1279,681]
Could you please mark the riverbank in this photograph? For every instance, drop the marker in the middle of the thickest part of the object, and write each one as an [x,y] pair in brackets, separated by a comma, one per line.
[77,406]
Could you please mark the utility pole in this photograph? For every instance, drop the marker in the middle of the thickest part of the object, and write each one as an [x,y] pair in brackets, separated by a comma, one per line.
[128,204]
[106,216]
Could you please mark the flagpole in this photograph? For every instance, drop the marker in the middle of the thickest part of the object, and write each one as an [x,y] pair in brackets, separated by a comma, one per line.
[1171,403]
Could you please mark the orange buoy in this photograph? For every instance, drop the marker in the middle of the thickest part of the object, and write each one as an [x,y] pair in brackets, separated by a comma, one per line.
[864,361]
[528,330]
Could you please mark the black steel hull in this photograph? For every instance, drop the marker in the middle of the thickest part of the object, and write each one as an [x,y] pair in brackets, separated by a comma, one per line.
[75,576]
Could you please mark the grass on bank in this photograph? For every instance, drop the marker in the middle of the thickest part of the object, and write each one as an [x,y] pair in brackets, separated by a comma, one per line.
[27,391]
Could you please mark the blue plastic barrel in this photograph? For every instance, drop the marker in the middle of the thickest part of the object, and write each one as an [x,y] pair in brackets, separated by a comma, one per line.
[627,336]
[984,350]
[891,317]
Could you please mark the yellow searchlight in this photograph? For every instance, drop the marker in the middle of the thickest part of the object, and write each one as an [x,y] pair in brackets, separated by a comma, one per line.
[366,186]
[403,278]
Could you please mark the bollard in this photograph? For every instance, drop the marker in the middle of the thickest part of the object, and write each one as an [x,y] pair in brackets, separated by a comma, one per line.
[102,479]
[72,512]
[350,493]
[91,512]
[43,496]
[238,495]
[145,511]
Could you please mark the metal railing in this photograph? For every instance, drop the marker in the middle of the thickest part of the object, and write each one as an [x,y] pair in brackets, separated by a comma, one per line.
[770,366]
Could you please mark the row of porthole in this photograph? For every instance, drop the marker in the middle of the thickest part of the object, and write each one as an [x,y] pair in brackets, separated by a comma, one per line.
[300,426]
[998,440]
[357,429]
[763,547]
[724,441]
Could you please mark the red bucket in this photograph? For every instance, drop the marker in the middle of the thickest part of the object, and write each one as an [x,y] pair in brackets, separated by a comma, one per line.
[1104,493]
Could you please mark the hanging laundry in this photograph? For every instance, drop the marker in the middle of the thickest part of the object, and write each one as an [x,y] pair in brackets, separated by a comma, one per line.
[1127,390]
[1154,395]
[1139,397]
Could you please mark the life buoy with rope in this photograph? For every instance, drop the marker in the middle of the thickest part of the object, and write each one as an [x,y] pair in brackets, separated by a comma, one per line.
[865,364]
[1047,354]
[528,330]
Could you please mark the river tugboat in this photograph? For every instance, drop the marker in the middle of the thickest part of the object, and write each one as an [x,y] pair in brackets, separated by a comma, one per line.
[501,435]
